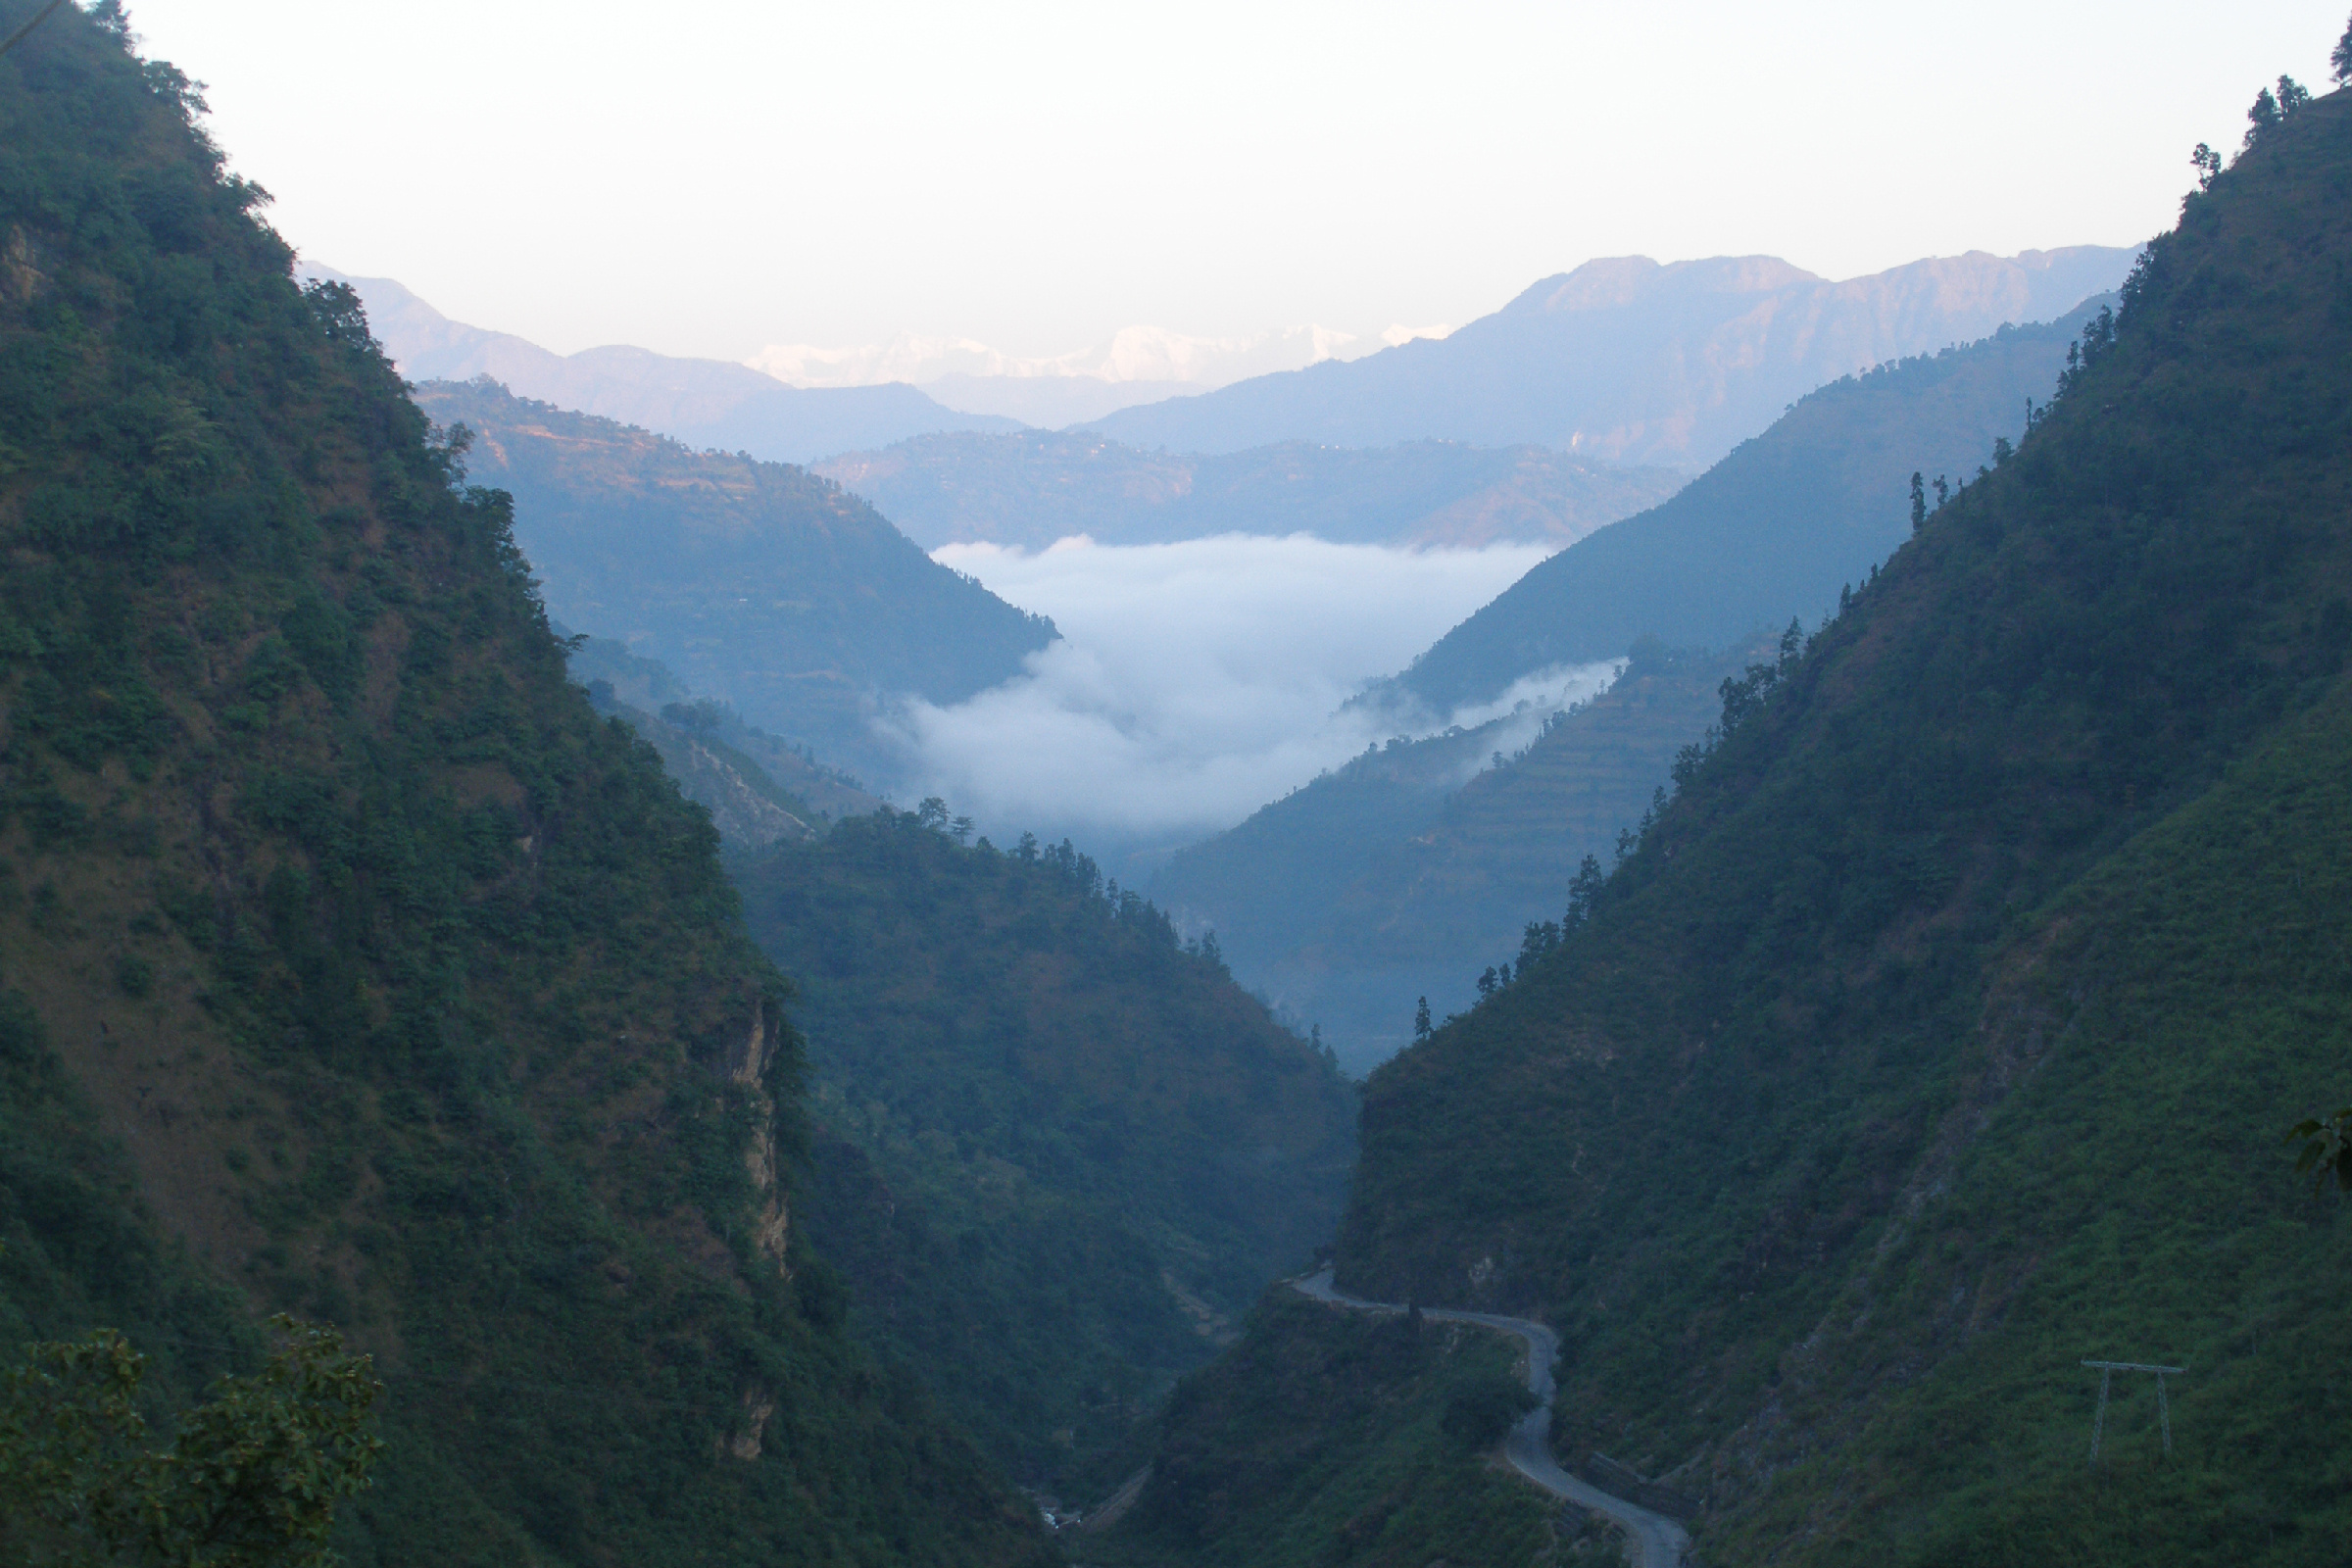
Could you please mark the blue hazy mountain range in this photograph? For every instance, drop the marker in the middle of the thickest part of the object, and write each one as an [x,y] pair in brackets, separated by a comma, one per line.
[1634,362]
[1623,361]
[1770,532]
[1031,487]
[757,583]
[1402,873]
[711,404]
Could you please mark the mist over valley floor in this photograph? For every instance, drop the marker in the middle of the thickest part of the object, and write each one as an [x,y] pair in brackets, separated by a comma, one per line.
[1192,682]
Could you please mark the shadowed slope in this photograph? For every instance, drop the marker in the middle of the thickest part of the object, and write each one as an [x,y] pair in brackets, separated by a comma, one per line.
[1404,873]
[1098,1148]
[1939,1035]
[351,964]
[1771,531]
[756,582]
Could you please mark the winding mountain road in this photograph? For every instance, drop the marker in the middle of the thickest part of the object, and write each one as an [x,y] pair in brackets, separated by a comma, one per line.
[1663,1543]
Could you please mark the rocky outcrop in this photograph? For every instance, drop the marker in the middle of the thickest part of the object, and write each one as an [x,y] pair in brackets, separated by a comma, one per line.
[773,1226]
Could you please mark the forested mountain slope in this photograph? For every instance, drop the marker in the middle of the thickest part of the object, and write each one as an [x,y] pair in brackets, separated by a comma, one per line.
[1405,872]
[646,692]
[1034,488]
[757,582]
[749,809]
[1067,1149]
[349,964]
[1941,1033]
[1628,361]
[1328,1440]
[1772,531]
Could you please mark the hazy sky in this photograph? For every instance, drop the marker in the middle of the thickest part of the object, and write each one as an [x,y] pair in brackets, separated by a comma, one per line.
[706,176]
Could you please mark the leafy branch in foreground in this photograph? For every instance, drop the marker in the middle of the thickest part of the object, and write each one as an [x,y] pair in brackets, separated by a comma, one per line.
[2327,1149]
[250,1481]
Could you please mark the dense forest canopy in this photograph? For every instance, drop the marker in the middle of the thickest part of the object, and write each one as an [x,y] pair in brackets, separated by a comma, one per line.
[348,963]
[1940,1032]
[1067,1151]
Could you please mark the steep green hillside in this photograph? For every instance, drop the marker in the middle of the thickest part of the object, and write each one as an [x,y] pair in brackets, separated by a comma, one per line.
[1034,488]
[1406,872]
[1393,879]
[749,809]
[1093,1150]
[665,710]
[1769,533]
[1941,1033]
[757,582]
[1331,1441]
[349,964]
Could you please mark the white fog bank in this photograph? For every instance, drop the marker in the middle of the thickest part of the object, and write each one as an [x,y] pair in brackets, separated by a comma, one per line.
[1193,683]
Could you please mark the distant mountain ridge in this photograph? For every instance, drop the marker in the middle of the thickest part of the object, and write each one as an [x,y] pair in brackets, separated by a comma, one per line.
[756,583]
[1771,531]
[1032,487]
[1633,361]
[1400,875]
[711,404]
[1135,365]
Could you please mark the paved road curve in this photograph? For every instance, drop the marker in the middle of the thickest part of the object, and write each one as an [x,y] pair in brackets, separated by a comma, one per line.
[1662,1542]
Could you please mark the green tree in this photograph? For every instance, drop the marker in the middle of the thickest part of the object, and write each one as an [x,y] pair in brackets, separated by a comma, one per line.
[1582,890]
[1919,502]
[250,1481]
[2208,166]
[2341,60]
[1483,1411]
[68,1422]
[2327,1149]
[2261,119]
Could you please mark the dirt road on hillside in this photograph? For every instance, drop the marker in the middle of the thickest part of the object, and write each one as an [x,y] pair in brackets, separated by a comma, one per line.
[1663,1542]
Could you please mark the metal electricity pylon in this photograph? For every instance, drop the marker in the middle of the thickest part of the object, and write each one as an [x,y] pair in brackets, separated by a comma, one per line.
[2164,1410]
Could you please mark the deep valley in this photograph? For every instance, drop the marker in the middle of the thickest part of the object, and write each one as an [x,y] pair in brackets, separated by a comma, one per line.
[1807,1030]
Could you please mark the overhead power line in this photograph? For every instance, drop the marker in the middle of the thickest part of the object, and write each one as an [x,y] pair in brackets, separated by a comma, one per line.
[21,33]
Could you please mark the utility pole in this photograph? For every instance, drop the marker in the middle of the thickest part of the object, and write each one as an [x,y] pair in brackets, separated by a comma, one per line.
[2164,1409]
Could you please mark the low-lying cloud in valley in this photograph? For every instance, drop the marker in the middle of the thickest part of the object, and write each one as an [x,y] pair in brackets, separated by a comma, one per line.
[1194,681]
